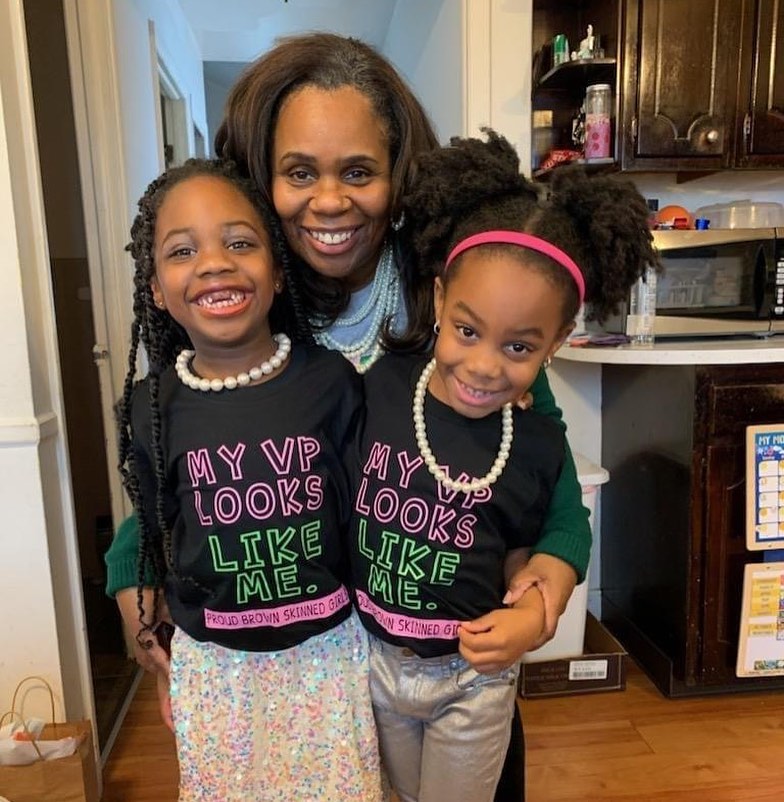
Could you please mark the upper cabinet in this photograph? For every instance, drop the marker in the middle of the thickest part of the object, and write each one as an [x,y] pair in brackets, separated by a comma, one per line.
[759,126]
[680,65]
[700,83]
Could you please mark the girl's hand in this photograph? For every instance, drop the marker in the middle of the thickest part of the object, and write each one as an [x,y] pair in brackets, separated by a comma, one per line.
[164,699]
[500,638]
[155,658]
[554,578]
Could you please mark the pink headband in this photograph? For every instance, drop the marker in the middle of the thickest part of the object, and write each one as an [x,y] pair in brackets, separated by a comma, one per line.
[524,241]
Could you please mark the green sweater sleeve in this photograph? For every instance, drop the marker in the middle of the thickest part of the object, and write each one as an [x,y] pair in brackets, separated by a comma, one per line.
[566,532]
[121,558]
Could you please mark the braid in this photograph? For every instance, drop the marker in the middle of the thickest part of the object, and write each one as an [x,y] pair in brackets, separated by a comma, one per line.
[474,186]
[163,339]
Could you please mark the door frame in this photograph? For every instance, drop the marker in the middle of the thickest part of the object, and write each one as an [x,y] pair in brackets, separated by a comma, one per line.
[100,140]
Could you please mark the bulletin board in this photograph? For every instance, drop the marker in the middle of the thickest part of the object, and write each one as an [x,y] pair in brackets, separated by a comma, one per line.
[761,641]
[765,487]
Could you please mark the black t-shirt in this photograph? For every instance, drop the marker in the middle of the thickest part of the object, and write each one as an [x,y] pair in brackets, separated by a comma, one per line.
[257,501]
[423,557]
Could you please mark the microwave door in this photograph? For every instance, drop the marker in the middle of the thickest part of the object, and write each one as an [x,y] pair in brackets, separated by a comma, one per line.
[719,283]
[718,279]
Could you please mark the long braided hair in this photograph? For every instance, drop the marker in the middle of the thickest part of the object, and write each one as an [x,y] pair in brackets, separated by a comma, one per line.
[162,339]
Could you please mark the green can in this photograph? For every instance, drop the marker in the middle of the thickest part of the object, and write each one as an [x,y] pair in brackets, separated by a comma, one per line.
[560,49]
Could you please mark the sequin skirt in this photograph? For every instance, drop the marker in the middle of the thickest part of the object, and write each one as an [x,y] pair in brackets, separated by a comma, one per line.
[289,726]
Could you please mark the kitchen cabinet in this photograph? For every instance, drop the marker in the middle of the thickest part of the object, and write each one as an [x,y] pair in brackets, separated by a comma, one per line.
[700,83]
[759,123]
[673,538]
[703,87]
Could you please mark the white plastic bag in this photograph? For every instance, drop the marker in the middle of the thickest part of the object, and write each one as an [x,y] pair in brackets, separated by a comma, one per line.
[20,744]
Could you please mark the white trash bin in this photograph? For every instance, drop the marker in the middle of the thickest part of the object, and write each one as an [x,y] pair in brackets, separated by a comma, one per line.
[570,636]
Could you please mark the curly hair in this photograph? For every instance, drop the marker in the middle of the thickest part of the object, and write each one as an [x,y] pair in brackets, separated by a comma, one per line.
[163,338]
[473,186]
[328,61]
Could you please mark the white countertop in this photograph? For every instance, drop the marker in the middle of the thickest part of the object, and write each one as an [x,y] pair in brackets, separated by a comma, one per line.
[681,352]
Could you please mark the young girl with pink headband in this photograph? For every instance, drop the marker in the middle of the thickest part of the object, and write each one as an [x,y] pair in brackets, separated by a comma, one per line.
[452,478]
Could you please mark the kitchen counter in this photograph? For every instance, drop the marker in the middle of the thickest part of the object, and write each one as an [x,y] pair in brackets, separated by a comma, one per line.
[682,352]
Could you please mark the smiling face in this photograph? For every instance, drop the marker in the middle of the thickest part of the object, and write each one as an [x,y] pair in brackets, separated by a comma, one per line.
[331,181]
[214,273]
[500,320]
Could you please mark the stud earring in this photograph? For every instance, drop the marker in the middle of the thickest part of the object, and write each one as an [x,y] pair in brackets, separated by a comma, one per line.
[546,364]
[436,328]
[160,304]
[399,223]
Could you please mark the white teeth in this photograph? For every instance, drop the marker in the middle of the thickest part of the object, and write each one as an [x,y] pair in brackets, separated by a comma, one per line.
[218,300]
[331,239]
[476,393]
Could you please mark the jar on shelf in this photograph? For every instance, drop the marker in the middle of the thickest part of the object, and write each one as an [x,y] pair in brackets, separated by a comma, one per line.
[598,99]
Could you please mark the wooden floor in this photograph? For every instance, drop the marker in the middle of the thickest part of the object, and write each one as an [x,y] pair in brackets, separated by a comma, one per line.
[623,745]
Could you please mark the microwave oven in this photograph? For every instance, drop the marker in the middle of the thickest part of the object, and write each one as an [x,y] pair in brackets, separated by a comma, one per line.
[715,283]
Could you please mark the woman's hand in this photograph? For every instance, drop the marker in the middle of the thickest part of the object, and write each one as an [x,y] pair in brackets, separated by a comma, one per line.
[500,638]
[154,658]
[554,578]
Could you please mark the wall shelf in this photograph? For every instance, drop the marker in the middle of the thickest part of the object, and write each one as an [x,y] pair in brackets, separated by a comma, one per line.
[578,73]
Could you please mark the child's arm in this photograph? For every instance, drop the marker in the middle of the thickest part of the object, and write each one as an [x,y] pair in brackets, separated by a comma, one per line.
[500,638]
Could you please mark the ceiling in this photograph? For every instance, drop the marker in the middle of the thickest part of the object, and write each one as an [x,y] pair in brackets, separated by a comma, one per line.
[239,30]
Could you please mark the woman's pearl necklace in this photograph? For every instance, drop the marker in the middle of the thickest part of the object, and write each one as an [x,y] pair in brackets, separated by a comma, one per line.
[507,433]
[182,366]
[382,303]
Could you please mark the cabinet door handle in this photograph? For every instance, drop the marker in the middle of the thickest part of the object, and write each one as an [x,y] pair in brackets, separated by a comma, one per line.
[634,129]
[712,136]
[746,131]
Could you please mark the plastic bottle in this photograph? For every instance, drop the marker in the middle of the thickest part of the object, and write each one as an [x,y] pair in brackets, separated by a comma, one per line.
[597,121]
[642,311]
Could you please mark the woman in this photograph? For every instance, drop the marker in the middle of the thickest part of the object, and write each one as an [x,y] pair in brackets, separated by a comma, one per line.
[328,131]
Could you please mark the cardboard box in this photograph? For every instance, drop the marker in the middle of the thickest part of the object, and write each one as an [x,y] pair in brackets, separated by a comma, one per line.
[600,668]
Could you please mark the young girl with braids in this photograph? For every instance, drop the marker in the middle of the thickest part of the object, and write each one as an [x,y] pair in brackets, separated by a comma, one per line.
[449,503]
[232,452]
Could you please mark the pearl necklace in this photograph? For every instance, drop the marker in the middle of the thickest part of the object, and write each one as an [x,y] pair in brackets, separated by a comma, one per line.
[182,366]
[381,304]
[507,433]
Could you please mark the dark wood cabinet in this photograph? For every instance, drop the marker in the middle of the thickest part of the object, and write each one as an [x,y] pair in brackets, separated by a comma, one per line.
[702,85]
[673,515]
[759,126]
[698,85]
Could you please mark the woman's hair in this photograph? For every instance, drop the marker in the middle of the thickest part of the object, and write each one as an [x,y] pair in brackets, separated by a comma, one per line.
[328,61]
[163,338]
[600,221]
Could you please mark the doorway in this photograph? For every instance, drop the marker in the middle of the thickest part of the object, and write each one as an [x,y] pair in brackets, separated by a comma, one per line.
[112,670]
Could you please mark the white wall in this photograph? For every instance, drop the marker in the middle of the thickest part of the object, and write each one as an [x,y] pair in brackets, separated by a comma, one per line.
[497,44]
[424,41]
[40,593]
[728,185]
[138,87]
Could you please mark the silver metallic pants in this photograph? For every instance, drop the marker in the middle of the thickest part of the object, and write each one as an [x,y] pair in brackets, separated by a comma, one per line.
[443,728]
